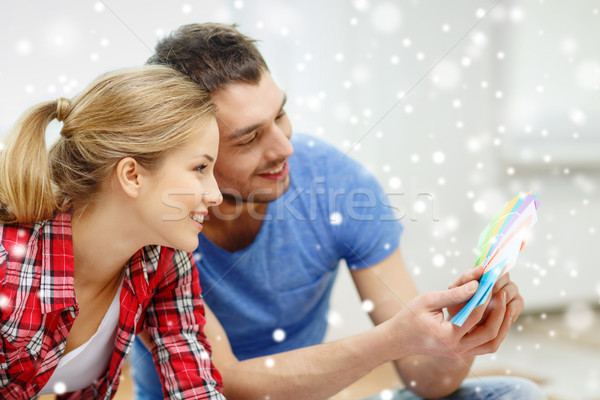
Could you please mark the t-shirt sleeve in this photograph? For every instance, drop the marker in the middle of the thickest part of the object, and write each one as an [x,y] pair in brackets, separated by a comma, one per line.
[365,223]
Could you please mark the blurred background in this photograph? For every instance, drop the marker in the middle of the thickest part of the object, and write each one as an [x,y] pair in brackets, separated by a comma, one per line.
[455,106]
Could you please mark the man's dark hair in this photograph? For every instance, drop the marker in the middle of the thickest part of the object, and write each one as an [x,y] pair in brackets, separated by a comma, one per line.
[212,55]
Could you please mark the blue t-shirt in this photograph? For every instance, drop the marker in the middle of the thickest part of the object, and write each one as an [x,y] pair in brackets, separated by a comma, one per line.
[334,209]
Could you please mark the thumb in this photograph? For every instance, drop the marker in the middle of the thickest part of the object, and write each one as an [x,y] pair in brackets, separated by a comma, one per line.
[454,296]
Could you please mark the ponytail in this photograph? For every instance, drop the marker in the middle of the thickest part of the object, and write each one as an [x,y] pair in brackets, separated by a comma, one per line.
[140,112]
[26,194]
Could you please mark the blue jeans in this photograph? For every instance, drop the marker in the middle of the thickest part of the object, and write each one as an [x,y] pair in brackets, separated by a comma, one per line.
[488,388]
[148,387]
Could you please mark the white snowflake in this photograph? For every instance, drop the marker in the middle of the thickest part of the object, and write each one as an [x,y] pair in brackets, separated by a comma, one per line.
[479,207]
[438,157]
[334,318]
[99,6]
[60,388]
[577,116]
[336,218]
[438,260]
[279,335]
[18,250]
[419,207]
[579,317]
[386,17]
[367,306]
[394,182]
[446,75]
[479,38]
[517,14]
[361,5]
[4,300]
[569,46]
[24,47]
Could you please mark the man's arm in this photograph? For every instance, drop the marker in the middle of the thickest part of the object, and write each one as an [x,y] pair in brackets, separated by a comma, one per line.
[390,287]
[314,372]
[318,372]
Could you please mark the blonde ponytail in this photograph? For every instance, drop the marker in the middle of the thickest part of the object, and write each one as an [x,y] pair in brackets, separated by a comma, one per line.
[141,112]
[26,193]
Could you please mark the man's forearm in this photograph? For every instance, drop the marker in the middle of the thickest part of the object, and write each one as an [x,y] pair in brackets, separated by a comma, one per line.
[433,377]
[315,372]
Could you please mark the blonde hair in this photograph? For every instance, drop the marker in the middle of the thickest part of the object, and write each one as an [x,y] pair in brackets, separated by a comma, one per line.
[141,112]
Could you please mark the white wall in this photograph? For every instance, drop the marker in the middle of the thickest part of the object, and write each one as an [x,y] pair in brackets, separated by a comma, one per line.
[493,105]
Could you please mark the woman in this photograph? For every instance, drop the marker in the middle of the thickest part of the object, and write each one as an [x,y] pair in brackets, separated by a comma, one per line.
[87,237]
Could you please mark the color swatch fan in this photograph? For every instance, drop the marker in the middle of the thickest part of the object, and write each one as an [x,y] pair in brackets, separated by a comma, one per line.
[499,246]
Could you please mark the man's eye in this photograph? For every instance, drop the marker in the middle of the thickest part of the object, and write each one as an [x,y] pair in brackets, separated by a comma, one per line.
[254,136]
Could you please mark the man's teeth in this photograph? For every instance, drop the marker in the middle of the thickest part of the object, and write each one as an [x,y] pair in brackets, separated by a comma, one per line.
[276,171]
[198,218]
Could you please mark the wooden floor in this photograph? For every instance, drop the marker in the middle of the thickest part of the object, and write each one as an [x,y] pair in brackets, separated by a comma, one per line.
[125,391]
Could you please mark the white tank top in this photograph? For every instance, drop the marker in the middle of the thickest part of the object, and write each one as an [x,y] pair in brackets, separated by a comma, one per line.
[80,367]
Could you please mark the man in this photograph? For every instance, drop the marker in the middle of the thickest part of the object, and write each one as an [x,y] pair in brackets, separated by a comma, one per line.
[268,256]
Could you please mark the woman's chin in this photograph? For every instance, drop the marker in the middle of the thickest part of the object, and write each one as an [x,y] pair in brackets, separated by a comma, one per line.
[189,246]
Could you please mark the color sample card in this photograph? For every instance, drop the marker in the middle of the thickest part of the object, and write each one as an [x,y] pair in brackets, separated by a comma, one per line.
[499,246]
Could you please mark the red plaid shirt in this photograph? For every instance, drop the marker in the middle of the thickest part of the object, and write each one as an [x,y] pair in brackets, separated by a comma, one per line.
[160,294]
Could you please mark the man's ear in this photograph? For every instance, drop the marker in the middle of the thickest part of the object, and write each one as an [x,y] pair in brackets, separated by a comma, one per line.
[130,174]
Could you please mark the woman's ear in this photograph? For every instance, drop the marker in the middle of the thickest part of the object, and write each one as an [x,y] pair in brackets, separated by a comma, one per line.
[130,175]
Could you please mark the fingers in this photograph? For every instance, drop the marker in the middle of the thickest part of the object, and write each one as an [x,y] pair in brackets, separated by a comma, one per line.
[512,293]
[486,327]
[473,274]
[451,297]
[514,308]
[493,345]
[511,288]
[514,304]
[502,281]
[489,330]
[478,315]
